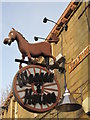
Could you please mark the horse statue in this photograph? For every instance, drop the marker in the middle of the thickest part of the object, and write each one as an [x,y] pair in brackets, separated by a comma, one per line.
[27,49]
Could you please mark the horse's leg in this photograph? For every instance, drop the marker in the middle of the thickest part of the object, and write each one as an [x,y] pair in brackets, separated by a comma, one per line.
[29,58]
[50,55]
[20,65]
[53,58]
[47,60]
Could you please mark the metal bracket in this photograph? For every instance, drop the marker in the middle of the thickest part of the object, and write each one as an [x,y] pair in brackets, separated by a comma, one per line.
[52,67]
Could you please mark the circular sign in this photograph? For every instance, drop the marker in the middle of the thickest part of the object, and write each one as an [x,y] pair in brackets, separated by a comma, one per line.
[36,89]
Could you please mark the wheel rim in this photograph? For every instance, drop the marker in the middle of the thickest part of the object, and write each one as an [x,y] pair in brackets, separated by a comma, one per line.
[46,88]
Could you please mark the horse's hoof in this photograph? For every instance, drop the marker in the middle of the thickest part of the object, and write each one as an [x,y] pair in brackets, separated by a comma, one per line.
[33,61]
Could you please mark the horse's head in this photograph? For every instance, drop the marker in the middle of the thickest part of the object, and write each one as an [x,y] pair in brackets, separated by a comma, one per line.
[11,37]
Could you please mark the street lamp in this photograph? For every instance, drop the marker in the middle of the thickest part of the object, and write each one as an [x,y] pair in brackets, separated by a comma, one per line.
[36,38]
[46,19]
[67,103]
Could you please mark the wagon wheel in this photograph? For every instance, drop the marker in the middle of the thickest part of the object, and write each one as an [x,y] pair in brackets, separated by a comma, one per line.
[36,89]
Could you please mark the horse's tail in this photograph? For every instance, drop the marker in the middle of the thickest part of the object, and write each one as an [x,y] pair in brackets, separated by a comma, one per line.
[50,49]
[53,41]
[54,38]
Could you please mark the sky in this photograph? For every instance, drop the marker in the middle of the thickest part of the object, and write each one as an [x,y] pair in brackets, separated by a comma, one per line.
[25,17]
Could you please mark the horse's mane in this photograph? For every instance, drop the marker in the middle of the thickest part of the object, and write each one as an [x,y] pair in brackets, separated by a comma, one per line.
[21,35]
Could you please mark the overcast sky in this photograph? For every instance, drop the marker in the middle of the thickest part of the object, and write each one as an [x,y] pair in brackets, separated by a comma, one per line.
[25,17]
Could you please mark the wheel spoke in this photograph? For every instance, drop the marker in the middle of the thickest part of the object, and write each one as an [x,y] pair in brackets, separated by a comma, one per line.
[34,92]
[34,106]
[28,71]
[21,90]
[40,71]
[23,97]
[51,89]
[25,85]
[46,91]
[47,104]
[17,84]
[34,71]
[41,106]
[50,84]
[28,85]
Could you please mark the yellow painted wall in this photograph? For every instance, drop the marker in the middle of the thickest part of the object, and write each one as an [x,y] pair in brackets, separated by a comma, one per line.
[22,113]
[16,111]
[75,39]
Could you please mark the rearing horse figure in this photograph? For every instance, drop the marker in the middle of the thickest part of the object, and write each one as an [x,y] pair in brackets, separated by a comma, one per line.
[27,49]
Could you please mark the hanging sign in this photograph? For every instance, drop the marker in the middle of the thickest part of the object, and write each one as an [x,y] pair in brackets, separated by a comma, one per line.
[79,58]
[36,89]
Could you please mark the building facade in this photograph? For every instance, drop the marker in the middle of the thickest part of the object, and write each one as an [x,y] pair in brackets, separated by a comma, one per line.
[74,44]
